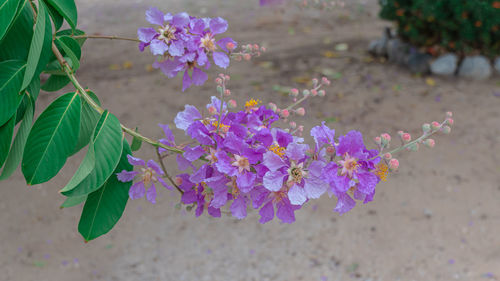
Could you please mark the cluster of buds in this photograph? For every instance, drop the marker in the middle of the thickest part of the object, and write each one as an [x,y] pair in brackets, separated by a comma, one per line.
[247,52]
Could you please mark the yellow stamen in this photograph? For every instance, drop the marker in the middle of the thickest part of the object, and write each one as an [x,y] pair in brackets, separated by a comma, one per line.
[278,150]
[252,103]
[382,171]
[222,126]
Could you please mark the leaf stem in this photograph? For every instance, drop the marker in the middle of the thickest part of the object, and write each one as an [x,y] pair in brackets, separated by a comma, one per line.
[160,159]
[111,37]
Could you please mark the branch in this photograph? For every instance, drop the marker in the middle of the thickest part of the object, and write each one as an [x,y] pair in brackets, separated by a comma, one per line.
[160,159]
[111,37]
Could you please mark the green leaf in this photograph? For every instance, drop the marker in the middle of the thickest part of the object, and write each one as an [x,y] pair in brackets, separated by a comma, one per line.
[57,19]
[16,43]
[41,41]
[16,151]
[71,49]
[11,79]
[136,143]
[31,96]
[6,132]
[107,145]
[55,83]
[67,9]
[105,206]
[73,201]
[52,139]
[86,167]
[76,32]
[7,13]
[88,122]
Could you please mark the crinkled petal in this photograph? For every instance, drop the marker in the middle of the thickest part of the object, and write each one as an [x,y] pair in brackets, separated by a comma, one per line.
[176,48]
[272,161]
[154,16]
[169,187]
[185,118]
[323,135]
[168,134]
[246,181]
[296,151]
[137,190]
[344,203]
[180,20]
[186,81]
[351,143]
[183,163]
[297,195]
[341,183]
[221,59]
[189,197]
[193,153]
[273,181]
[285,213]
[224,41]
[218,25]
[214,212]
[151,194]
[316,168]
[126,176]
[153,165]
[168,67]
[146,34]
[202,58]
[220,197]
[367,182]
[135,161]
[199,77]
[239,207]
[266,212]
[158,47]
[314,187]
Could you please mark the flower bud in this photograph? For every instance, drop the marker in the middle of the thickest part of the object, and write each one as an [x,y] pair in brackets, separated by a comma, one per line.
[426,128]
[330,150]
[293,125]
[300,128]
[256,47]
[406,137]
[446,130]
[227,92]
[263,49]
[394,164]
[314,92]
[429,143]
[247,56]
[386,138]
[285,113]
[232,103]
[388,156]
[300,111]
[321,93]
[219,89]
[218,81]
[400,133]
[212,110]
[249,47]
[178,180]
[230,46]
[273,106]
[315,81]
[294,92]
[449,114]
[306,93]
[449,121]
[325,81]
[378,140]
[227,77]
[435,125]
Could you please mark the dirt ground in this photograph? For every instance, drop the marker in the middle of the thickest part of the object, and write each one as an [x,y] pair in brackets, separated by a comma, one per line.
[438,218]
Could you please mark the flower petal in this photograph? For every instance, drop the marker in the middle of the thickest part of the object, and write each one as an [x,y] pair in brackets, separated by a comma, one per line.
[272,161]
[297,195]
[187,117]
[158,47]
[176,48]
[146,34]
[137,190]
[245,181]
[273,181]
[186,81]
[266,213]
[180,20]
[154,16]
[223,43]
[239,207]
[126,176]
[169,187]
[218,25]
[314,187]
[285,213]
[153,165]
[199,77]
[151,194]
[135,161]
[221,59]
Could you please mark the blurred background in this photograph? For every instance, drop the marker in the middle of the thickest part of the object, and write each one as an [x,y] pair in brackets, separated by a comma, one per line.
[438,218]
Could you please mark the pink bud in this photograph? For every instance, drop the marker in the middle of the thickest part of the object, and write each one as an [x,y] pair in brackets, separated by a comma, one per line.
[406,137]
[232,103]
[227,77]
[212,110]
[218,81]
[256,47]
[378,140]
[321,93]
[300,128]
[435,125]
[285,113]
[330,150]
[314,92]
[325,81]
[263,49]
[247,56]
[446,130]
[294,92]
[386,137]
[300,111]
[249,46]
[230,46]
[315,81]
[293,125]
[394,164]
[449,121]
[178,180]
[221,75]
[272,106]
[429,143]
[388,156]
[449,114]
[400,133]
[227,92]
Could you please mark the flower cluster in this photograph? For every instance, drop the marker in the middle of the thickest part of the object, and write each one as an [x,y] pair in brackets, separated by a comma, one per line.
[186,44]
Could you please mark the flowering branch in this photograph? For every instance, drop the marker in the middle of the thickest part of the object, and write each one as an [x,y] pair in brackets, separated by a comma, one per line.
[111,37]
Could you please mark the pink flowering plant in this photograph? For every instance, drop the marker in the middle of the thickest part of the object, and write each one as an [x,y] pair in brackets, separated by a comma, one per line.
[232,159]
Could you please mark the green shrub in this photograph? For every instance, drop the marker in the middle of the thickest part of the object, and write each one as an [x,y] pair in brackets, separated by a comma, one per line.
[462,26]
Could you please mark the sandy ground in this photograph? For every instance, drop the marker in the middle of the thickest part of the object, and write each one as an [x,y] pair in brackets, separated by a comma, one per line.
[437,219]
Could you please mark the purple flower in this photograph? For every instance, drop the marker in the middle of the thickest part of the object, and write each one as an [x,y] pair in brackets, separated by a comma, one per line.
[353,173]
[149,175]
[287,171]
